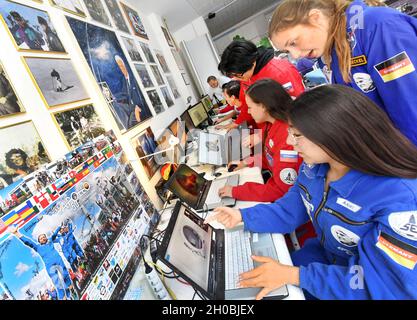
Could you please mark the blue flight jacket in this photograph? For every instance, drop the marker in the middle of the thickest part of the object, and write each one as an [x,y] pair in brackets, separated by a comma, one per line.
[366,225]
[384,57]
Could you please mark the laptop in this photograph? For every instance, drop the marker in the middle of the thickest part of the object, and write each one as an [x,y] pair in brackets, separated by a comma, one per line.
[218,149]
[198,192]
[212,259]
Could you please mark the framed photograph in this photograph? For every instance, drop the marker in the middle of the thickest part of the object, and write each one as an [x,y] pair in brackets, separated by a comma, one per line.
[177,59]
[132,49]
[186,78]
[162,61]
[79,125]
[167,96]
[116,15]
[21,152]
[147,52]
[167,37]
[96,10]
[145,144]
[157,75]
[71,6]
[30,28]
[56,80]
[144,75]
[109,65]
[173,86]
[134,21]
[156,101]
[9,102]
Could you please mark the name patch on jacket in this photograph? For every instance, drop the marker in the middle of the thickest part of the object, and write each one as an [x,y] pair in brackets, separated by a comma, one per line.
[399,251]
[358,61]
[288,156]
[395,67]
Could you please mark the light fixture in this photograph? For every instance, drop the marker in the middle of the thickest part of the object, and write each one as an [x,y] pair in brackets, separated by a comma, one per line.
[172,140]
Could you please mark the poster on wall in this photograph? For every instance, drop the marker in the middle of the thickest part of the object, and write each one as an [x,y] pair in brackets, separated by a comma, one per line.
[144,75]
[79,125]
[21,153]
[177,59]
[97,12]
[30,28]
[147,52]
[145,144]
[156,101]
[56,80]
[109,65]
[167,37]
[162,61]
[78,236]
[9,102]
[135,21]
[117,16]
[71,6]
[167,96]
[173,86]
[132,49]
[157,75]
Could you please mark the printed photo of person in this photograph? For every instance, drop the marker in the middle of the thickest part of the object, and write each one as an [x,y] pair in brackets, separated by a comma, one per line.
[145,144]
[109,65]
[97,12]
[134,21]
[167,96]
[9,103]
[79,125]
[117,16]
[162,61]
[156,101]
[147,52]
[132,50]
[157,75]
[30,28]
[144,75]
[173,87]
[72,6]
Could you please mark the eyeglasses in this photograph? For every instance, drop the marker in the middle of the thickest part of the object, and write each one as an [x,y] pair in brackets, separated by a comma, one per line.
[294,136]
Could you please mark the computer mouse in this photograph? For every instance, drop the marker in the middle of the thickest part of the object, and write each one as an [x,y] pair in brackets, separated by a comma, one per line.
[232,167]
[217,174]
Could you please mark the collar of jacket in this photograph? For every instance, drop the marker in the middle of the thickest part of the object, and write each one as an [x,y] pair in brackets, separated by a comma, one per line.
[345,185]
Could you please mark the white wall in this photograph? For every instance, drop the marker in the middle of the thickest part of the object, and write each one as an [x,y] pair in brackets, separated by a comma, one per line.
[41,115]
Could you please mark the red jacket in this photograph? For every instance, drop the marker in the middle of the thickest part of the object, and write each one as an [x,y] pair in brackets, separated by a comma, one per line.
[226,109]
[280,70]
[282,161]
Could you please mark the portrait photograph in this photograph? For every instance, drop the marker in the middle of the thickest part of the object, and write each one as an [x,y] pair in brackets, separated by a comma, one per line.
[157,75]
[167,37]
[9,102]
[96,10]
[145,144]
[117,16]
[71,6]
[132,49]
[156,101]
[21,152]
[109,64]
[30,28]
[79,125]
[56,80]
[167,96]
[135,21]
[147,52]
[162,61]
[177,59]
[173,86]
[144,75]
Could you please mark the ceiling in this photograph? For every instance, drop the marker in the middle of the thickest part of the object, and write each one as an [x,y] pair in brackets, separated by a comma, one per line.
[178,13]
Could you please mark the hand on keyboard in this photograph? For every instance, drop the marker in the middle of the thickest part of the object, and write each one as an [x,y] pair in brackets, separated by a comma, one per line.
[226,216]
[226,191]
[270,275]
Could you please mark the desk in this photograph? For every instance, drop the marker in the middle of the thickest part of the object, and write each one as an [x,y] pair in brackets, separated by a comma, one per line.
[185,292]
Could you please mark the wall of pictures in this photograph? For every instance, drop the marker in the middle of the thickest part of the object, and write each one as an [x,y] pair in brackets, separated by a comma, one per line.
[73,69]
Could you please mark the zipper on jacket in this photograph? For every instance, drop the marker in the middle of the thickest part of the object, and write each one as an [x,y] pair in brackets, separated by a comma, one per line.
[343,218]
[306,191]
[316,214]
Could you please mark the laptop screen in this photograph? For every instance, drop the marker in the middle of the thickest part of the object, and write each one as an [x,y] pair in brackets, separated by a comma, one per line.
[198,114]
[189,247]
[187,185]
[208,105]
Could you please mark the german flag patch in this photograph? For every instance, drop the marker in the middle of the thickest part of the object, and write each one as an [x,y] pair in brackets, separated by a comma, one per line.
[395,67]
[399,251]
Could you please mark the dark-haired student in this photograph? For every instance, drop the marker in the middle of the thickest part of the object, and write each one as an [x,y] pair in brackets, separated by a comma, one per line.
[243,61]
[358,185]
[231,92]
[268,103]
